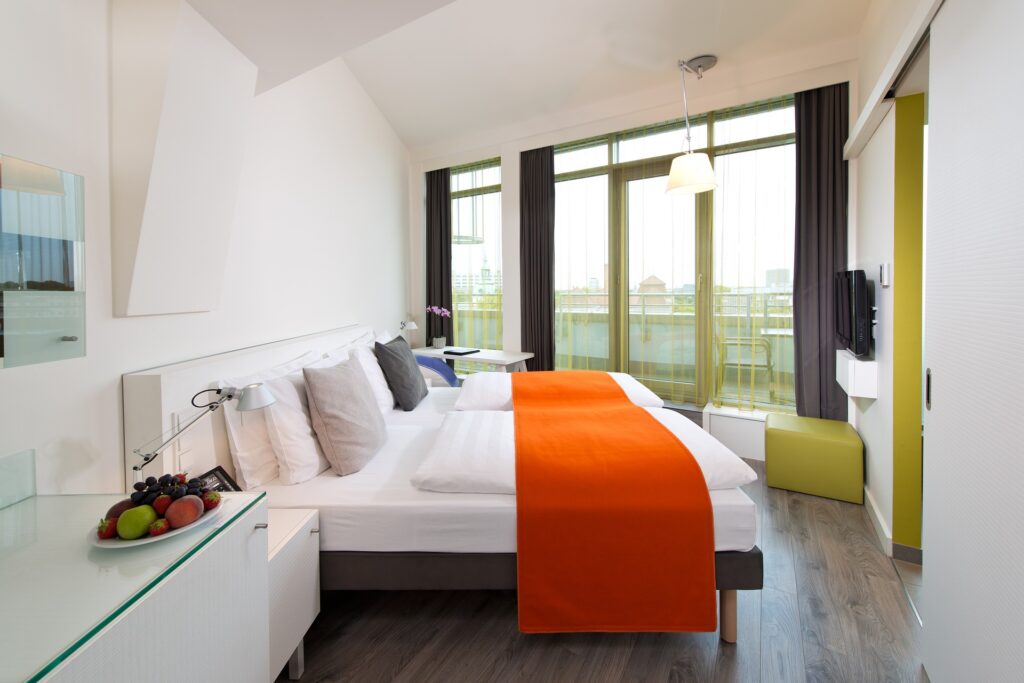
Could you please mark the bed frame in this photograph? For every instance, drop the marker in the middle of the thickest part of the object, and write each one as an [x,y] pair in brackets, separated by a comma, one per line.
[158,399]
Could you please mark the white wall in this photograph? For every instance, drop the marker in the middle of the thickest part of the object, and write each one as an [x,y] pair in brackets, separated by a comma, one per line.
[724,87]
[872,245]
[319,235]
[974,343]
[884,25]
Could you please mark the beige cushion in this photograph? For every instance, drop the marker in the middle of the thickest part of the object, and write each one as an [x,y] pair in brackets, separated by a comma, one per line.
[347,422]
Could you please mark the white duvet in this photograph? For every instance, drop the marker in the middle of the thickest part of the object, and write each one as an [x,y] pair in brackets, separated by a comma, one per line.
[493,391]
[475,452]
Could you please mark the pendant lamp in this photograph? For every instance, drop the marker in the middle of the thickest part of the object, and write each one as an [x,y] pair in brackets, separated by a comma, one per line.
[691,172]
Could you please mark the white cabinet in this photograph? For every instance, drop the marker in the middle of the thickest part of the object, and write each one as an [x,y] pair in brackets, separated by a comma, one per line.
[294,552]
[198,623]
[858,377]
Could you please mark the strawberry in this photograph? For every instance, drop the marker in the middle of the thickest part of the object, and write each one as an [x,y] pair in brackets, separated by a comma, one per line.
[211,499]
[161,504]
[159,527]
[107,528]
[181,478]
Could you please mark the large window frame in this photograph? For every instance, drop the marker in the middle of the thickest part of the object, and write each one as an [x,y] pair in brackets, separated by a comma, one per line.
[460,304]
[619,175]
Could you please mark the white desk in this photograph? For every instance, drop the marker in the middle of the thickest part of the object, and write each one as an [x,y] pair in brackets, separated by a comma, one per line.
[502,361]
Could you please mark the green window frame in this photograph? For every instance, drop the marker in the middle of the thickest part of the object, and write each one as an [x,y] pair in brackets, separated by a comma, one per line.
[706,385]
[477,295]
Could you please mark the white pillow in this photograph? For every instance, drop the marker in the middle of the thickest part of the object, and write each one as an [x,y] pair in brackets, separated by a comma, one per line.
[381,393]
[251,451]
[722,468]
[493,391]
[299,456]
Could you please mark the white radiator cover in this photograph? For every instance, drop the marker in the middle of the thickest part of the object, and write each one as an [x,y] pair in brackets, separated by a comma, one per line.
[741,430]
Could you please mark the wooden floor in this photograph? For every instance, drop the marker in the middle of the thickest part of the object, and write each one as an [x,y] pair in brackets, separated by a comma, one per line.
[832,609]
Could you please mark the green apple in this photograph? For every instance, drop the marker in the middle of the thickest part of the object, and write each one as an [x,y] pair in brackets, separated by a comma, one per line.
[135,523]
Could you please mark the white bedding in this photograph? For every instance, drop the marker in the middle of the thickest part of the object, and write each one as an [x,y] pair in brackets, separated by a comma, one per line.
[378,510]
[493,391]
[475,452]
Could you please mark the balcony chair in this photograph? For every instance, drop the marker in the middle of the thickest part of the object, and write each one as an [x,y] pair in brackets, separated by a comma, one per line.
[744,353]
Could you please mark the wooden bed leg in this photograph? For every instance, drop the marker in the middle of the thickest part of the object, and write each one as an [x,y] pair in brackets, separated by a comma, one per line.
[727,615]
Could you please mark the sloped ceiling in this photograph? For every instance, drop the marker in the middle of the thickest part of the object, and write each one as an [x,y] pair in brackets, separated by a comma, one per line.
[440,69]
[480,64]
[285,38]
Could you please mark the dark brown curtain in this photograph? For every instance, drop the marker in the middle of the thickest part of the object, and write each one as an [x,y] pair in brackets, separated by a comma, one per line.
[439,252]
[537,255]
[822,126]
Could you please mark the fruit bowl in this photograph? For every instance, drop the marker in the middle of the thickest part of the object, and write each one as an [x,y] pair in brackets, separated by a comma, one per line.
[157,508]
[115,542]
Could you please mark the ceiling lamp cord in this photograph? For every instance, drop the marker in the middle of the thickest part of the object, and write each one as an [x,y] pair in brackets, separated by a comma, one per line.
[683,68]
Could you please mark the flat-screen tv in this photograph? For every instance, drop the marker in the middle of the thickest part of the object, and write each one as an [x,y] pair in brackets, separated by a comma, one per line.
[853,311]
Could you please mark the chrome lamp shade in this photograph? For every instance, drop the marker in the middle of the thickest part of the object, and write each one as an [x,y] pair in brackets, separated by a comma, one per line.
[254,397]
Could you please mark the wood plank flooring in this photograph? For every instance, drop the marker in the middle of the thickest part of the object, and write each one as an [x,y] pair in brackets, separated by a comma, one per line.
[832,609]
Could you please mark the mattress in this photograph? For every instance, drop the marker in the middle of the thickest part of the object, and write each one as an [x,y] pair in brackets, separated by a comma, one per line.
[378,510]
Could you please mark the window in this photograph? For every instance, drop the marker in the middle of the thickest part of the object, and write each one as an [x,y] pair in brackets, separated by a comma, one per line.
[692,295]
[476,255]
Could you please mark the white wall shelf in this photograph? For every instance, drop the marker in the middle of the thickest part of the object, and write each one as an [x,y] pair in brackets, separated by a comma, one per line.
[857,377]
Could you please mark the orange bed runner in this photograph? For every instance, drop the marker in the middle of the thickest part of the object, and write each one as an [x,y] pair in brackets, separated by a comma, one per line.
[615,528]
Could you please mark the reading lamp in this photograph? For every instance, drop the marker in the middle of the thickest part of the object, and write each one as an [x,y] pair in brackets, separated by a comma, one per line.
[250,397]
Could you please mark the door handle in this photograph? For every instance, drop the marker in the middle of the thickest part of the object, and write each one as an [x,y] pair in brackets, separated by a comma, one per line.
[928,389]
[69,338]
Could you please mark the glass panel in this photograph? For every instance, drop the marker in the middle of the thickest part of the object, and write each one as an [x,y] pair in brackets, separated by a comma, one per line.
[581,273]
[662,289]
[476,271]
[17,478]
[57,592]
[476,177]
[661,143]
[581,158]
[753,254]
[761,124]
[42,263]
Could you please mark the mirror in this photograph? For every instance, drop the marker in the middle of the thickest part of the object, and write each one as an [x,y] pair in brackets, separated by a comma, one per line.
[42,263]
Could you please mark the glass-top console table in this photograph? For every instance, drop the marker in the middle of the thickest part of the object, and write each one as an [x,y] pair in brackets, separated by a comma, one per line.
[57,591]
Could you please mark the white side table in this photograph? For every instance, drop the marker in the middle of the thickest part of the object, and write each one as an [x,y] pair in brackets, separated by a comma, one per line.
[502,361]
[294,581]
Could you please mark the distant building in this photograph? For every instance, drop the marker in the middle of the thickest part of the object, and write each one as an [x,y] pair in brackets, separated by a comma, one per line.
[778,280]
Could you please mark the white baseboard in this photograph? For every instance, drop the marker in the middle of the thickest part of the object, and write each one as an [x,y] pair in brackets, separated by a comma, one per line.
[878,522]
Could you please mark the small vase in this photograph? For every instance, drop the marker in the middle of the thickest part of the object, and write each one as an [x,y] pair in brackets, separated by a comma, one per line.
[440,342]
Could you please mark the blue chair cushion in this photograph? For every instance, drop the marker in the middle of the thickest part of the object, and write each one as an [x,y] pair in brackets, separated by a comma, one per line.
[438,368]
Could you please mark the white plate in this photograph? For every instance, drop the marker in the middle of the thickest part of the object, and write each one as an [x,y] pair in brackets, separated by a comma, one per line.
[205,520]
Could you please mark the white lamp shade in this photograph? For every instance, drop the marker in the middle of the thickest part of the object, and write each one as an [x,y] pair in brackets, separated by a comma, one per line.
[411,325]
[691,173]
[254,397]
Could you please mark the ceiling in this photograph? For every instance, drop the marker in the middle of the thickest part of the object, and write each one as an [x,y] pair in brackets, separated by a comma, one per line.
[287,38]
[441,69]
[474,65]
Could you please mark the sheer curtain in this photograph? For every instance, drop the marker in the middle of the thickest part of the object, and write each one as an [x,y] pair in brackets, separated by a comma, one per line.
[754,213]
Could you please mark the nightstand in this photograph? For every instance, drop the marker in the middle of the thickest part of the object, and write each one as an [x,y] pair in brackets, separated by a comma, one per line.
[294,580]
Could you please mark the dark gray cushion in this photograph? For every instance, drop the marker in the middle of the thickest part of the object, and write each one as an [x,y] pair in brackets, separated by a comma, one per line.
[345,416]
[402,372]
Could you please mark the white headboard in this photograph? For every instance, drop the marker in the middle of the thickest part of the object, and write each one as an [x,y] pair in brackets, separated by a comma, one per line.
[158,399]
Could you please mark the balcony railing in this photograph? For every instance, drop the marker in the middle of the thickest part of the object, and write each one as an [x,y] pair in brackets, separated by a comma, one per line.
[751,341]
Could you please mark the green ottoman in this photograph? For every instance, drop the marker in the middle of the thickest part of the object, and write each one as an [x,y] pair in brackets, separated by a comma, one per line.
[820,457]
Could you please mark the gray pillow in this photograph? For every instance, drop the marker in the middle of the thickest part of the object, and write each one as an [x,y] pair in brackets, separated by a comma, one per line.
[345,416]
[402,372]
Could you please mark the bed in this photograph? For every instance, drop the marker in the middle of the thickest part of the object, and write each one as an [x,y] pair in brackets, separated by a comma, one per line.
[377,531]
